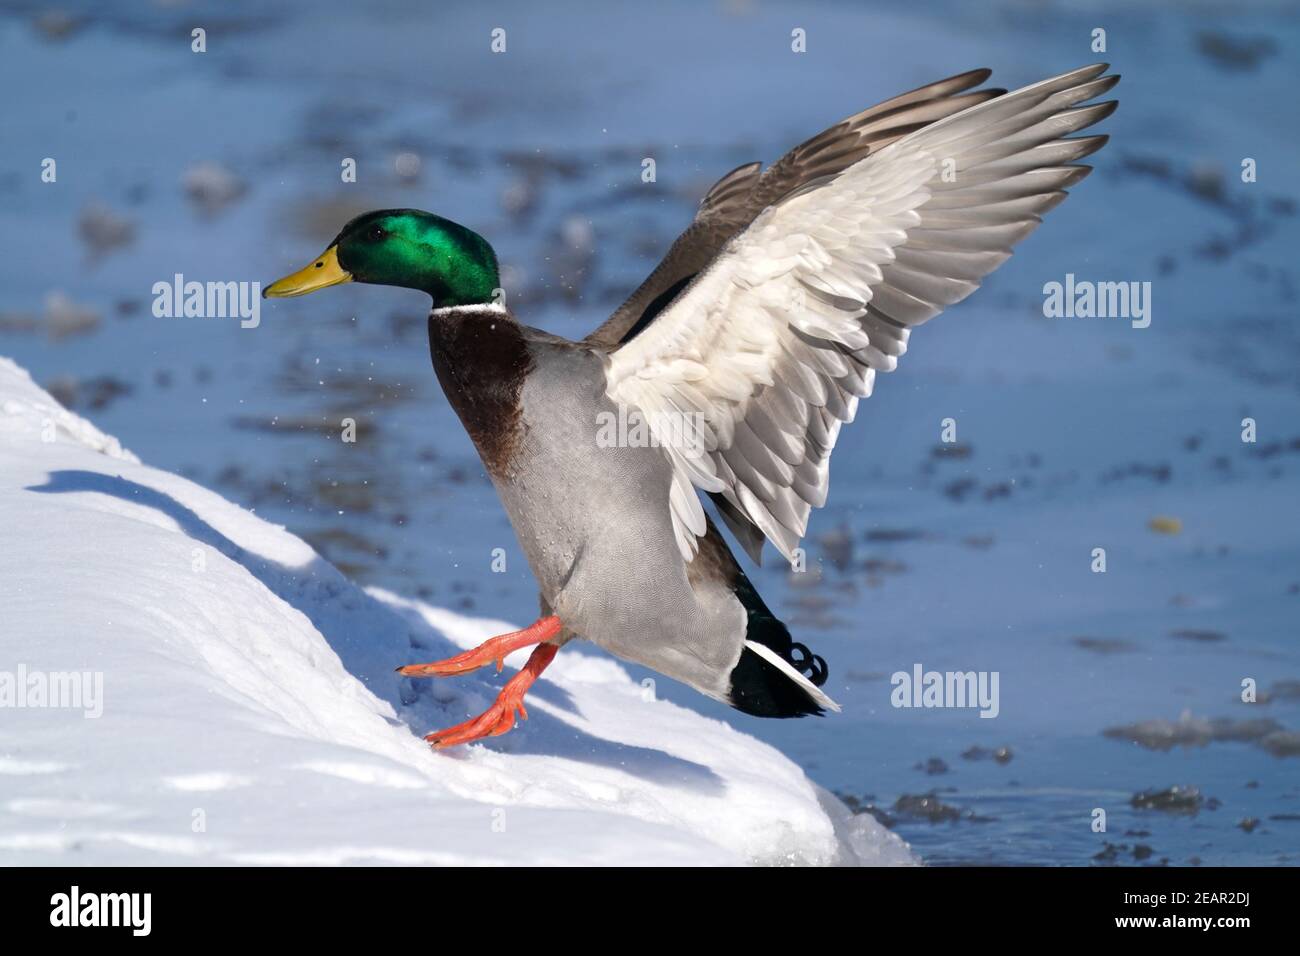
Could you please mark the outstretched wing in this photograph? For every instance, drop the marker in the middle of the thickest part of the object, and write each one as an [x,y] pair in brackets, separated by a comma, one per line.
[747,190]
[747,376]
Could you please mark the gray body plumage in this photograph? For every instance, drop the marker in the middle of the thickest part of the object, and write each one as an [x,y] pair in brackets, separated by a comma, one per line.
[597,535]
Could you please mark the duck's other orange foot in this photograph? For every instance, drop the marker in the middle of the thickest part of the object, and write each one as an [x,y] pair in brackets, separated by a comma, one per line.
[500,717]
[492,650]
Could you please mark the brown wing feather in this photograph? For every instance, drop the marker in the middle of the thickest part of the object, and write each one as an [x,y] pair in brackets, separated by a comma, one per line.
[738,197]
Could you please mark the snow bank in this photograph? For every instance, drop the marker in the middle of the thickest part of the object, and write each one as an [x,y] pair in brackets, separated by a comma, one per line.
[249,713]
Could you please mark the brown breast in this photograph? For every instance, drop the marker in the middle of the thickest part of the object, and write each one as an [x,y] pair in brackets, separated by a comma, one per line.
[482,359]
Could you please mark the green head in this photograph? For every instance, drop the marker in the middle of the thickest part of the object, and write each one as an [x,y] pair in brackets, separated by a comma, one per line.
[406,248]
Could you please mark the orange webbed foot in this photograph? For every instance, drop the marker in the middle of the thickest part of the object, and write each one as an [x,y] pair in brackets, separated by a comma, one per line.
[500,717]
[492,650]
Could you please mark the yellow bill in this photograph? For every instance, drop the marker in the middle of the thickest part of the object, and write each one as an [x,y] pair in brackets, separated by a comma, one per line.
[321,274]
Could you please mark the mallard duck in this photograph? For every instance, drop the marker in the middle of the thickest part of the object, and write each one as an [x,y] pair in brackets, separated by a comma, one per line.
[742,355]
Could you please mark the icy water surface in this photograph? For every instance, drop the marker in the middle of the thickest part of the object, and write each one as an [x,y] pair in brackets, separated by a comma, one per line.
[1072,434]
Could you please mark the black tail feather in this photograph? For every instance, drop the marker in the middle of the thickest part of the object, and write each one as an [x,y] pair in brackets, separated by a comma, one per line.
[757,686]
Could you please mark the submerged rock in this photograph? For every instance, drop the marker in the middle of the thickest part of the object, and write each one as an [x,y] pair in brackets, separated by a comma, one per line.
[212,187]
[1282,743]
[103,230]
[64,318]
[1189,731]
[928,806]
[1177,799]
[1001,755]
[1103,645]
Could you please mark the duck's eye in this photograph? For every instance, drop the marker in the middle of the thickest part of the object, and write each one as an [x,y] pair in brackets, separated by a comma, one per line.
[377,233]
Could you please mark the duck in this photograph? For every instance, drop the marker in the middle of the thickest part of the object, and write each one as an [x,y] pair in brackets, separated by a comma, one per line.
[739,358]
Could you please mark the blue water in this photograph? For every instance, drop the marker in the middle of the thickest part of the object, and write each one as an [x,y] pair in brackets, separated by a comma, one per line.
[1077,432]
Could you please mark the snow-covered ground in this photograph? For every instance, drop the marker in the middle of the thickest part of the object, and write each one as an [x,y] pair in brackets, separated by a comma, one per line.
[240,706]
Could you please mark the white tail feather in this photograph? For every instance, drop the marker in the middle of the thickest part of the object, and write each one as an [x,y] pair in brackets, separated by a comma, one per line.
[784,666]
